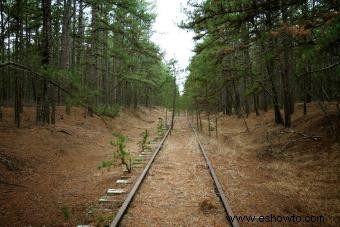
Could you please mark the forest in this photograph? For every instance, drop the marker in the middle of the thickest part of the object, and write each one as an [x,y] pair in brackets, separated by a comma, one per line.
[169,113]
[252,56]
[80,53]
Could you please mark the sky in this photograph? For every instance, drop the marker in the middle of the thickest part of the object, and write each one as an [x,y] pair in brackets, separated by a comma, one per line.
[175,42]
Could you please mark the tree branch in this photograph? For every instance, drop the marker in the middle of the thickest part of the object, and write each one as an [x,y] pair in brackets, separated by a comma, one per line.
[319,70]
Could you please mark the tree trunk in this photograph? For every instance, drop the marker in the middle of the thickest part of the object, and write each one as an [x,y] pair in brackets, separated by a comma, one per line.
[246,103]
[17,56]
[2,48]
[94,49]
[237,104]
[17,103]
[286,73]
[228,100]
[197,122]
[43,114]
[269,62]
[166,116]
[200,120]
[277,112]
[209,124]
[216,121]
[174,104]
[64,61]
[256,103]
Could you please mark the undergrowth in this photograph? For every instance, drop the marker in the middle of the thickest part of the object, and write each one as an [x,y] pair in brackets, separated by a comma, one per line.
[66,212]
[105,164]
[108,110]
[160,127]
[119,153]
[122,153]
[144,143]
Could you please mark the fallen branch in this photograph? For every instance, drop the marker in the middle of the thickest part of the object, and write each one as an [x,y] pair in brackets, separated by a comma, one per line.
[8,163]
[319,70]
[16,185]
[304,137]
[65,132]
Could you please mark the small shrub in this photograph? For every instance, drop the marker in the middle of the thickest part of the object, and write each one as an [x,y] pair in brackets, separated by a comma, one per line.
[108,110]
[66,212]
[105,164]
[144,142]
[160,126]
[122,153]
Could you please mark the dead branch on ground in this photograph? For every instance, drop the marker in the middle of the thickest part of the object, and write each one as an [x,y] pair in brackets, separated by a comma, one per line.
[5,159]
[304,137]
[11,184]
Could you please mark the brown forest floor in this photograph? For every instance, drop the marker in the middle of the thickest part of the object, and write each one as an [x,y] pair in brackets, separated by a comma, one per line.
[56,166]
[301,180]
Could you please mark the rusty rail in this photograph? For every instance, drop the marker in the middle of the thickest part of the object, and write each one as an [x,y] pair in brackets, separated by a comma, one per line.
[217,184]
[122,210]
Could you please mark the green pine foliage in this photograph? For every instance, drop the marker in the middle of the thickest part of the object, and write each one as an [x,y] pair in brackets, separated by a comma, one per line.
[100,57]
[249,50]
[122,153]
[144,143]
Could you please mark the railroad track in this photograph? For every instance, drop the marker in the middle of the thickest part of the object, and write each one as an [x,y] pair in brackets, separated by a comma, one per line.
[218,188]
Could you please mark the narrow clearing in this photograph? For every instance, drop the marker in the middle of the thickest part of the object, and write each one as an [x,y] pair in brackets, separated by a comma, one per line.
[178,189]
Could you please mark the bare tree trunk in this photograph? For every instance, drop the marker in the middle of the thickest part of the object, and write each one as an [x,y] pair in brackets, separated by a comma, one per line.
[228,100]
[256,103]
[94,49]
[278,117]
[270,73]
[306,85]
[246,103]
[174,104]
[74,24]
[237,103]
[166,116]
[64,61]
[275,99]
[2,47]
[197,119]
[265,84]
[18,47]
[216,121]
[135,99]
[200,120]
[286,74]
[43,114]
[80,34]
[17,103]
[209,124]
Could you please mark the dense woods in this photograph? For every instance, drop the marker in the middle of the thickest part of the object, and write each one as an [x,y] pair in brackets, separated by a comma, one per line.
[256,55]
[95,54]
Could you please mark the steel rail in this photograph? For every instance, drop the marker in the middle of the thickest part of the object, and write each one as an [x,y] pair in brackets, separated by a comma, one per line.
[122,210]
[220,194]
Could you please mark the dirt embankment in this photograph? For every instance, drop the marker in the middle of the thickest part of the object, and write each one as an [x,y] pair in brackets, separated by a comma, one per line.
[273,170]
[49,175]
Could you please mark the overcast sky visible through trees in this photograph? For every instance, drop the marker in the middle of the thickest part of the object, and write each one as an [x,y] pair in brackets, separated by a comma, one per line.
[175,42]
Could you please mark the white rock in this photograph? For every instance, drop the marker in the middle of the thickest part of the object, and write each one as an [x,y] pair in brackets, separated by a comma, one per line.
[122,182]
[115,191]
